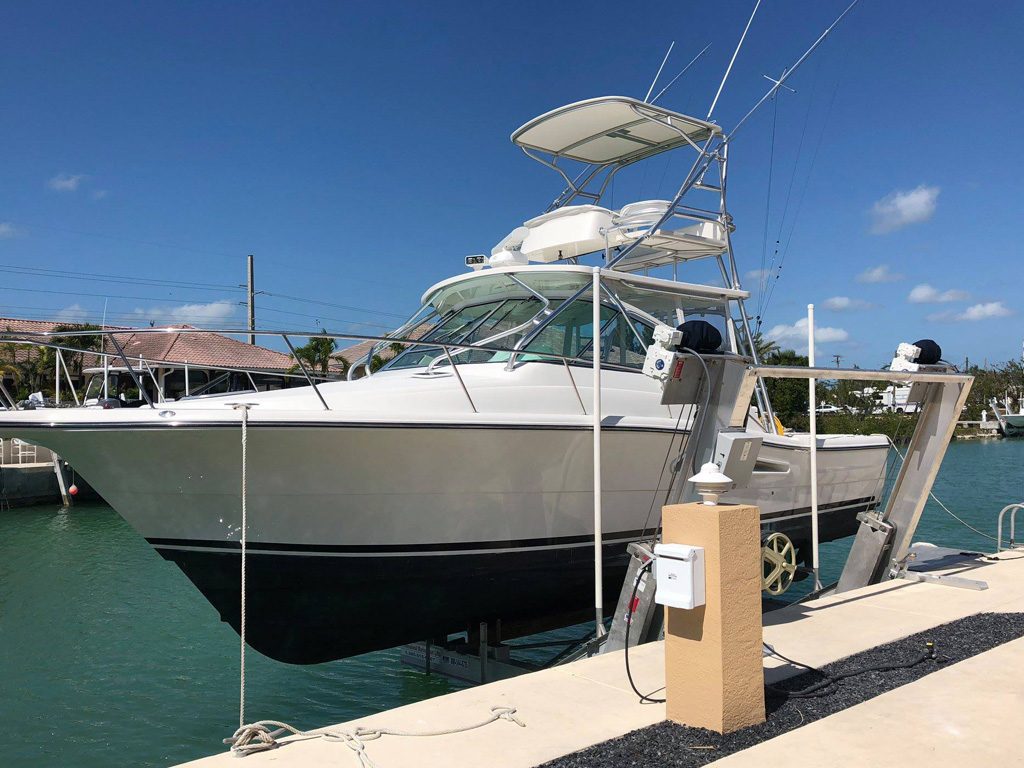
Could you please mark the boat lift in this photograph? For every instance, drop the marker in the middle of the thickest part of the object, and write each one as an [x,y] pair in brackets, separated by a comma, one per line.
[726,382]
[882,546]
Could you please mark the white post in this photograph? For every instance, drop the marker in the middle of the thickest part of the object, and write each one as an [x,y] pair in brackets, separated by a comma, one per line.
[186,378]
[596,411]
[813,446]
[106,377]
[71,384]
[56,377]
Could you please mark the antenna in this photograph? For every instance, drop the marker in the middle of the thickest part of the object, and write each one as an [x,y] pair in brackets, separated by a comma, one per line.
[663,61]
[733,59]
[786,74]
[681,73]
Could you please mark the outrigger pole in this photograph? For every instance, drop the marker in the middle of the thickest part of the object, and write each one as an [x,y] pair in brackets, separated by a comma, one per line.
[681,73]
[733,59]
[657,74]
[776,84]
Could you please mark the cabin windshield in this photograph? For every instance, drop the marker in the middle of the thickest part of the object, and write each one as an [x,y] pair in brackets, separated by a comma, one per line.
[538,314]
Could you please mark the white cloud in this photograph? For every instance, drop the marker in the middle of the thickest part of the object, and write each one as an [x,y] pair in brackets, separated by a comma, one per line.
[902,208]
[796,334]
[879,274]
[99,194]
[757,275]
[927,294]
[76,313]
[985,311]
[8,230]
[845,304]
[193,314]
[66,182]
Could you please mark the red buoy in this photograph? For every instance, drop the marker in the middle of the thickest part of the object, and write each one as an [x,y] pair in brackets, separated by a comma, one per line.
[73,490]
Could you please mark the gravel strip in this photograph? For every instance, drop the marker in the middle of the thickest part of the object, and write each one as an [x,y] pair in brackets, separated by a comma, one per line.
[668,744]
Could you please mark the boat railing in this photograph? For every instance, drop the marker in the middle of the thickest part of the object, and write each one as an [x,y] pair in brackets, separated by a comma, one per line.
[15,452]
[137,365]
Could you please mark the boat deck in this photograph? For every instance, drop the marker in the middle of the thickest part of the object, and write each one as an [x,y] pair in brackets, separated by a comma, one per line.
[956,715]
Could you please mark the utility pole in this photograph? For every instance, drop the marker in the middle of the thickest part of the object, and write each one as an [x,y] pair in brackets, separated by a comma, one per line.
[838,359]
[252,304]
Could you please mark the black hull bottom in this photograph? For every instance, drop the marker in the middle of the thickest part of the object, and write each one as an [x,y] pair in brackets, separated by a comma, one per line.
[312,608]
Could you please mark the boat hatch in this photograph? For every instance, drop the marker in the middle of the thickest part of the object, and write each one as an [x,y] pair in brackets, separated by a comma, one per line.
[611,129]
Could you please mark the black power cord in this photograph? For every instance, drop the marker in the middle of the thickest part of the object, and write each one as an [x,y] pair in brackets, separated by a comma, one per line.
[819,688]
[632,599]
[694,430]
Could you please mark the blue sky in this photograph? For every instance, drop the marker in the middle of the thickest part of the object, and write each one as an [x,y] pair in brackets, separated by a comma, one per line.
[361,150]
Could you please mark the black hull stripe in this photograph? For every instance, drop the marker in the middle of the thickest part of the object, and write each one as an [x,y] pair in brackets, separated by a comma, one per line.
[851,506]
[257,425]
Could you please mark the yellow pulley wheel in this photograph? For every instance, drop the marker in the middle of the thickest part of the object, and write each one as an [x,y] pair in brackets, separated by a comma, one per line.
[778,560]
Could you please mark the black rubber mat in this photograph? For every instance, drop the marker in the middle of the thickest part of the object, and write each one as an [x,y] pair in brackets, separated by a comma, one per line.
[667,745]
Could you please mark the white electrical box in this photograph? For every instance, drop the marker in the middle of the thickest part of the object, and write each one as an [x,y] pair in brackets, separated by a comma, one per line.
[736,454]
[679,573]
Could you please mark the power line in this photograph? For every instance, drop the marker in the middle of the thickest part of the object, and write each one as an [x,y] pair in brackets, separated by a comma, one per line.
[320,317]
[336,306]
[99,295]
[100,278]
[158,283]
[84,315]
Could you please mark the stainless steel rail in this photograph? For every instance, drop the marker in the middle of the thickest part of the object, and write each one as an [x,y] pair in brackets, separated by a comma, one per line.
[1012,509]
[41,339]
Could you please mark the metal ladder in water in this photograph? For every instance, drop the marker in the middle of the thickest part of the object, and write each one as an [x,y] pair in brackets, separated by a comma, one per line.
[1012,509]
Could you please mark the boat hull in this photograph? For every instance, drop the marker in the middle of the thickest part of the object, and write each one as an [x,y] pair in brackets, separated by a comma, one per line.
[363,536]
[1012,426]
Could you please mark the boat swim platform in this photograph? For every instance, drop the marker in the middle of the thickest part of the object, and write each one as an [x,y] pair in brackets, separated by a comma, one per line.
[955,715]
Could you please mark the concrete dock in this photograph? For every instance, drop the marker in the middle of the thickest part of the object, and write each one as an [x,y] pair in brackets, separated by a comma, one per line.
[956,715]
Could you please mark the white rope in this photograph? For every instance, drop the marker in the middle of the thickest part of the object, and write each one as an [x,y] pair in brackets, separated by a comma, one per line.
[259,736]
[244,408]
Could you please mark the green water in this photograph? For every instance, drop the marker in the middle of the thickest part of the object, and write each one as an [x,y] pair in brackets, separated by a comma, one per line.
[109,656]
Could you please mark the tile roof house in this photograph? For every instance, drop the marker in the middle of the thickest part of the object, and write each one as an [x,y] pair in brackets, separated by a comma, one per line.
[177,362]
[203,349]
[200,348]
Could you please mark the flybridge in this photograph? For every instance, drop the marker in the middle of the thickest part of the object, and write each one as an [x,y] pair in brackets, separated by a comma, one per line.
[605,135]
[587,143]
[610,131]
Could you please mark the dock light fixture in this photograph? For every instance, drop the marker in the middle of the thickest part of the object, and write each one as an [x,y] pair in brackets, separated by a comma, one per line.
[711,483]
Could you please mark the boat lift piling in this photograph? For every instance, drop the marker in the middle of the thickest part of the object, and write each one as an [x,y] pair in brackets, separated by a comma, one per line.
[812,411]
[596,408]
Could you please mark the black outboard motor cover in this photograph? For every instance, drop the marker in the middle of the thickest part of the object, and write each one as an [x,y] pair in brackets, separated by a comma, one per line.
[700,336]
[931,353]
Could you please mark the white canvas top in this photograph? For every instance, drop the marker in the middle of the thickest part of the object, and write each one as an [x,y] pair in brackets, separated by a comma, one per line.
[610,129]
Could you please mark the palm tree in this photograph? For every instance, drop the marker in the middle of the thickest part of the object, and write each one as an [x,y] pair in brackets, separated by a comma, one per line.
[90,343]
[317,354]
[765,347]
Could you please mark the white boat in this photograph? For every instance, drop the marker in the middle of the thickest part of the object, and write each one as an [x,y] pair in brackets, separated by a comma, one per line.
[1010,424]
[455,486]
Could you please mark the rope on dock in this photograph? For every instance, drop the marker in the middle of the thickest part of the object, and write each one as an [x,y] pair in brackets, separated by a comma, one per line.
[258,736]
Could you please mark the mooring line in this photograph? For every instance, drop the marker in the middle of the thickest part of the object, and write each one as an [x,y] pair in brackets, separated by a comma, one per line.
[244,408]
[258,737]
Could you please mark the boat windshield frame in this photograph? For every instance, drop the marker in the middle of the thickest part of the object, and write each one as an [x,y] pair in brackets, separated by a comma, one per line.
[458,313]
